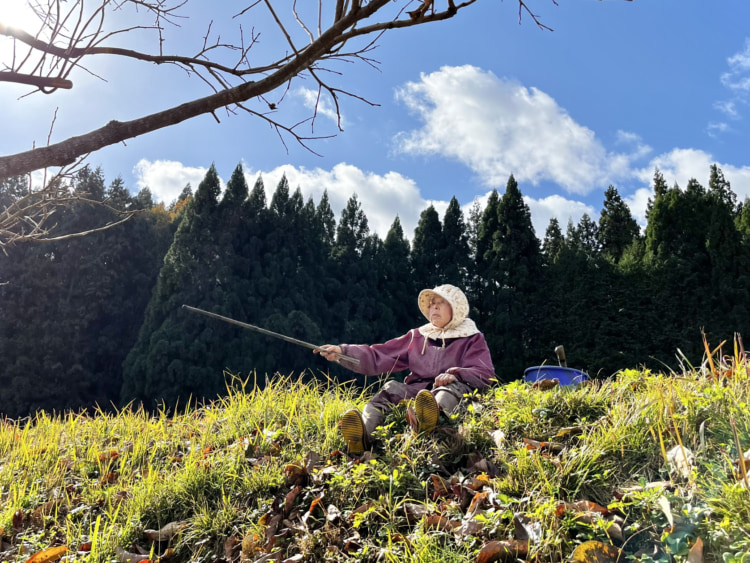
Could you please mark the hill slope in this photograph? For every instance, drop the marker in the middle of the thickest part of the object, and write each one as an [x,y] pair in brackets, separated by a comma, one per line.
[642,466]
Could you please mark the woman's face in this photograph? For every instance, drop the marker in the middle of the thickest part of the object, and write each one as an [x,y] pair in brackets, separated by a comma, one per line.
[441,312]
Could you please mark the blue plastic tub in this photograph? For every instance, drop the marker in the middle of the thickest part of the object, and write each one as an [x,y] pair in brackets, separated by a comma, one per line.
[566,376]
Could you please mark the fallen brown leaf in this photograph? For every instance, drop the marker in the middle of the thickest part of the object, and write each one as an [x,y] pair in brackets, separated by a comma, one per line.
[440,523]
[595,552]
[545,384]
[526,529]
[476,503]
[165,533]
[18,520]
[696,552]
[48,555]
[129,557]
[501,551]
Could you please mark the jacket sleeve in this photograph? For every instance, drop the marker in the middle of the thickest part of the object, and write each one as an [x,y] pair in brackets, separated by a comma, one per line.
[476,369]
[379,358]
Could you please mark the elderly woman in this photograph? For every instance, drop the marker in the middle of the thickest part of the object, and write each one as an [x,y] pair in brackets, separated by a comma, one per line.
[448,357]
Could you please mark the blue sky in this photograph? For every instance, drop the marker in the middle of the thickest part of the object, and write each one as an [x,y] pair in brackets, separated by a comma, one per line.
[617,89]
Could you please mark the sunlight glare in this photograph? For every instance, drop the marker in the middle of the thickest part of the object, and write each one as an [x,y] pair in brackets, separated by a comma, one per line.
[17,13]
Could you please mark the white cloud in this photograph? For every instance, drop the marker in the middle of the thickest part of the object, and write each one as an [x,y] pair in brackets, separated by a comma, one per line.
[737,81]
[680,165]
[716,127]
[167,178]
[737,78]
[382,196]
[542,210]
[728,108]
[497,127]
[638,204]
[321,105]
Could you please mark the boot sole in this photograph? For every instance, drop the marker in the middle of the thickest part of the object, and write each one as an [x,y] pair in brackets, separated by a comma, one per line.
[427,411]
[353,431]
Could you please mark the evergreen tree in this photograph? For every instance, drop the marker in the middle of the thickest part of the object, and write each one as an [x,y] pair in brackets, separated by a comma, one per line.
[397,286]
[177,352]
[515,272]
[426,250]
[553,241]
[72,308]
[617,227]
[724,247]
[351,233]
[327,220]
[117,195]
[485,295]
[588,235]
[12,189]
[143,200]
[454,258]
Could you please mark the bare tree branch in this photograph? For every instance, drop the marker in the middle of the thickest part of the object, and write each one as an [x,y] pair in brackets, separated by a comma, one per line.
[72,32]
[41,82]
[64,153]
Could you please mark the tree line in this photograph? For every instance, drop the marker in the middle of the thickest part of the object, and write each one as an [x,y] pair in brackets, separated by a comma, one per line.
[98,320]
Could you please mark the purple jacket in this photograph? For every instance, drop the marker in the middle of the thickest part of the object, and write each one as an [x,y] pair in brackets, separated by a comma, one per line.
[467,358]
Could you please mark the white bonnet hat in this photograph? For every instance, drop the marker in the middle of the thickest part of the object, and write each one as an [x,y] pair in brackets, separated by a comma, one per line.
[454,296]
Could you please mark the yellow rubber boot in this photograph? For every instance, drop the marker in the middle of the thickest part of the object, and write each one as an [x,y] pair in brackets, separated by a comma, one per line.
[353,431]
[427,411]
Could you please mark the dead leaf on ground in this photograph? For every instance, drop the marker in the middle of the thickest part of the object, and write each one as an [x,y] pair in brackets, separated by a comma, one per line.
[273,525]
[361,509]
[106,457]
[615,531]
[414,512]
[527,529]
[440,523]
[595,552]
[666,508]
[470,527]
[233,545]
[476,503]
[250,546]
[352,544]
[479,481]
[546,384]
[550,447]
[439,487]
[48,555]
[165,533]
[681,461]
[411,419]
[47,509]
[295,474]
[589,506]
[501,551]
[291,496]
[128,556]
[333,514]
[18,520]
[696,552]
[498,437]
[478,464]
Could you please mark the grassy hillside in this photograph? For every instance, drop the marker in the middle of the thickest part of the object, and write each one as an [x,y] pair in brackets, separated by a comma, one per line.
[641,467]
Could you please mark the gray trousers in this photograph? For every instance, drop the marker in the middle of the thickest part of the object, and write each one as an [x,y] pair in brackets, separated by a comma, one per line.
[393,392]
